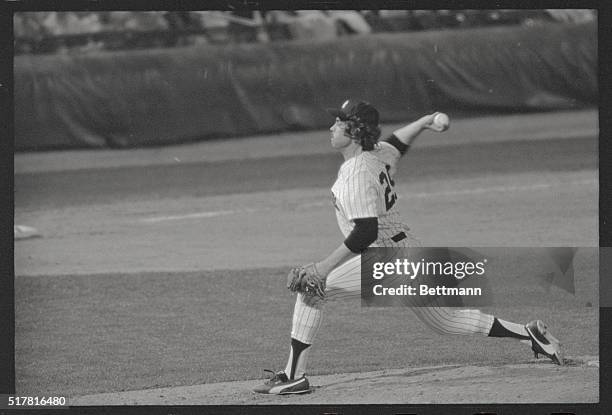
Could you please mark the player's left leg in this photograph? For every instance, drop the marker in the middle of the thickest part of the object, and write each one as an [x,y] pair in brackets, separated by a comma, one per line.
[307,317]
[342,282]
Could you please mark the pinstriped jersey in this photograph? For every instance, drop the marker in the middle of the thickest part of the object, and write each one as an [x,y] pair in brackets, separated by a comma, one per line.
[364,188]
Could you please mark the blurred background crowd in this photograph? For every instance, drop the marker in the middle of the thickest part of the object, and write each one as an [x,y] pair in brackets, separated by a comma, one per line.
[79,32]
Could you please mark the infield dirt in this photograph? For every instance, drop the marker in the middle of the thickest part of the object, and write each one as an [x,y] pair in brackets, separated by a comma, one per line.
[447,384]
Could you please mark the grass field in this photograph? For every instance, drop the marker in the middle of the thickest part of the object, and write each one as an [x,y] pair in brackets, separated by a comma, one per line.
[94,333]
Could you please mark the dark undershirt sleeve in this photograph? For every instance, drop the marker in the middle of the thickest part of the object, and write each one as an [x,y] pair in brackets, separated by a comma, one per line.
[395,142]
[363,234]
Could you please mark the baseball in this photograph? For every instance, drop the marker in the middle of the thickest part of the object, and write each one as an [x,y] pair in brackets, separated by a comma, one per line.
[441,121]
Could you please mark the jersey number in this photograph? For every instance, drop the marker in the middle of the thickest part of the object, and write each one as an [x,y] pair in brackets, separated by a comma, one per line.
[390,196]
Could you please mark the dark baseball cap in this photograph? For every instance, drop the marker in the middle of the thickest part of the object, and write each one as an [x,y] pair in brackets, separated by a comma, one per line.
[356,110]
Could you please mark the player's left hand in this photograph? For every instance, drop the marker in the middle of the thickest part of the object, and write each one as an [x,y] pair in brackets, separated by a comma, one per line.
[306,280]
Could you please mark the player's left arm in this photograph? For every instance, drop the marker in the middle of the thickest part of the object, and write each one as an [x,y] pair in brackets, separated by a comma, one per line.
[311,279]
[360,205]
[363,234]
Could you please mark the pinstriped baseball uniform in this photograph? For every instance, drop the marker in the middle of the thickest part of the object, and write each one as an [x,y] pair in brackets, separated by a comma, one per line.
[364,188]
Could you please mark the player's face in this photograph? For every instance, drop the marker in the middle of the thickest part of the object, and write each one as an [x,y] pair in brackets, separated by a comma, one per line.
[338,137]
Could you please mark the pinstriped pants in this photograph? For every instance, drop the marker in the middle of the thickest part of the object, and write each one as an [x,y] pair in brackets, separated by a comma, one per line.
[344,282]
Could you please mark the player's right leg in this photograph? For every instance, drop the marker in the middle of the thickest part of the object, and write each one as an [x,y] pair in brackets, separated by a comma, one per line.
[448,320]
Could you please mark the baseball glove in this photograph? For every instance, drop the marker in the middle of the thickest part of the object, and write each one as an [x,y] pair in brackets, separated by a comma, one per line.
[306,280]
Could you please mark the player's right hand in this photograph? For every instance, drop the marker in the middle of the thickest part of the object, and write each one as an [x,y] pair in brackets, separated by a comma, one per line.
[438,122]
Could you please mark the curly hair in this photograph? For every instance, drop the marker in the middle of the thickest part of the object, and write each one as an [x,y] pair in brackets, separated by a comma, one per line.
[365,134]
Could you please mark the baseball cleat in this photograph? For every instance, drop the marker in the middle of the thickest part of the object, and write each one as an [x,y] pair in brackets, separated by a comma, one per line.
[280,384]
[542,342]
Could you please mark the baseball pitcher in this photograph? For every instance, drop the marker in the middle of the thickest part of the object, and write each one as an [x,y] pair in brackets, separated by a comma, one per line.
[364,200]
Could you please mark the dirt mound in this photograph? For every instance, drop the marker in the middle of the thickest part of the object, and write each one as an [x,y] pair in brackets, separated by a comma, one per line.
[576,382]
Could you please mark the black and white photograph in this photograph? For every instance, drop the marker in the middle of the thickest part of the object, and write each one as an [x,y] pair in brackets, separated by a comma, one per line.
[263,207]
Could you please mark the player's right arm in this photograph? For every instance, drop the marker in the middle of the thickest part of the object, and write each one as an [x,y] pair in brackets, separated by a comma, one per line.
[403,137]
[397,144]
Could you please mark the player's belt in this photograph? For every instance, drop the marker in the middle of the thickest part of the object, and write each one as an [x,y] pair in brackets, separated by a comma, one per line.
[398,237]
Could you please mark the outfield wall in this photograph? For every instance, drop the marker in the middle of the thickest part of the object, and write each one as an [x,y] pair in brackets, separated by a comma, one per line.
[165,96]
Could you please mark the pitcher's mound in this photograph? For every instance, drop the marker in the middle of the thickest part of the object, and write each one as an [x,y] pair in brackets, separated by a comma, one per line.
[538,381]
